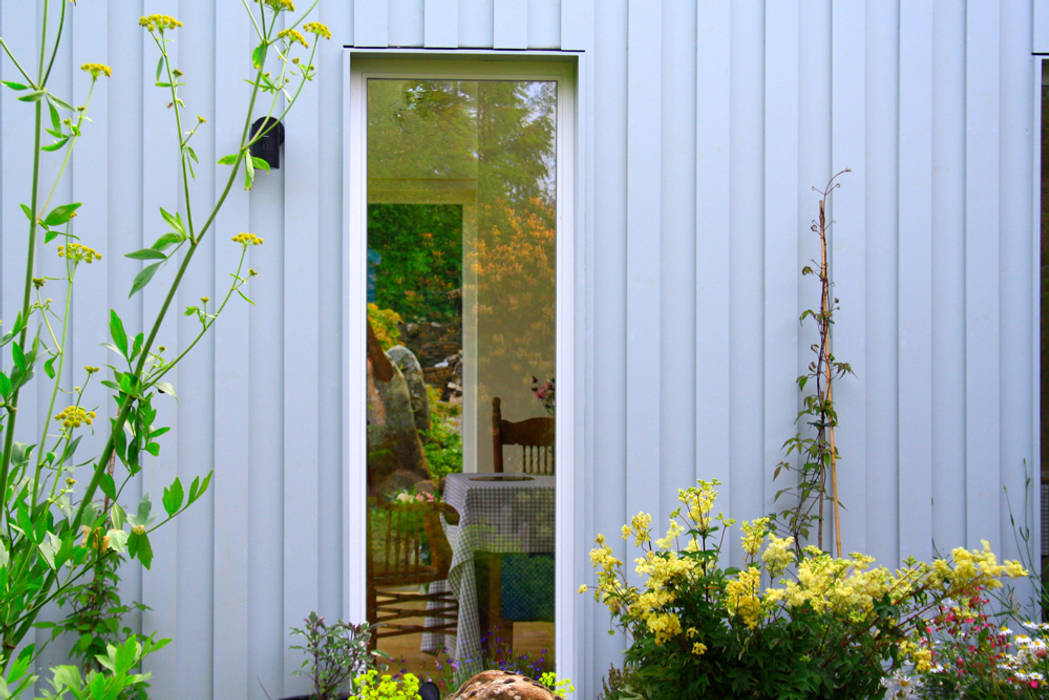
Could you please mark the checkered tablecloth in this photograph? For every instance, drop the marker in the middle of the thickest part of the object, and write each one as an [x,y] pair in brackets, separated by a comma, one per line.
[502,516]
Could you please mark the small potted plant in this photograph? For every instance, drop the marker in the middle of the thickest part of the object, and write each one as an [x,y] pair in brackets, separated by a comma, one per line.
[340,665]
[335,655]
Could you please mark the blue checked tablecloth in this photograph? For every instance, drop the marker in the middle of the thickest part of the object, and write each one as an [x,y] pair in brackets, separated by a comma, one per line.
[495,515]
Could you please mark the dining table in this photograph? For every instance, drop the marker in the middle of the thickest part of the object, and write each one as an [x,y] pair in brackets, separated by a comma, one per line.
[502,513]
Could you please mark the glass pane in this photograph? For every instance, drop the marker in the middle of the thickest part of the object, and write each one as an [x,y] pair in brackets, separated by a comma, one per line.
[461,373]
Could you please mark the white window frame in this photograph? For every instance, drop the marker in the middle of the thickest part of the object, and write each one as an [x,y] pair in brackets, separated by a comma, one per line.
[358,66]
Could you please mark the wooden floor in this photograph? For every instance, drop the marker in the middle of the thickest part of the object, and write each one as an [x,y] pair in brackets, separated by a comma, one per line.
[534,639]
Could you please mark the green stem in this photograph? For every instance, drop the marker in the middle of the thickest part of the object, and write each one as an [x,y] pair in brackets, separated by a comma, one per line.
[7,50]
[178,132]
[58,41]
[237,284]
[12,404]
[125,409]
[58,377]
[73,138]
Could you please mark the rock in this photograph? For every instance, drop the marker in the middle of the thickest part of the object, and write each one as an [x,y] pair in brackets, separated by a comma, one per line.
[503,685]
[405,360]
[395,455]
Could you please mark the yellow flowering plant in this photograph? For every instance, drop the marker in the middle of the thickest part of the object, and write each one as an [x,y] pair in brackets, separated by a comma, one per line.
[781,626]
[65,514]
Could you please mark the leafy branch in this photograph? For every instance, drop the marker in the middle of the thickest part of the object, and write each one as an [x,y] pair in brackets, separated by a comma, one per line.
[817,451]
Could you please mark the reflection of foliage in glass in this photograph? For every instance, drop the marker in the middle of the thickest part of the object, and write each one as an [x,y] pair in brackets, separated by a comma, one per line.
[422,251]
[442,443]
[385,324]
[515,266]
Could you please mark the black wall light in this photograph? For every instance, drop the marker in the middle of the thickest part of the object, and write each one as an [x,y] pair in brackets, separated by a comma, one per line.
[268,147]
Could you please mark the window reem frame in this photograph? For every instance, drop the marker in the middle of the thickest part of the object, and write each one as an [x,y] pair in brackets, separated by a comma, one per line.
[358,67]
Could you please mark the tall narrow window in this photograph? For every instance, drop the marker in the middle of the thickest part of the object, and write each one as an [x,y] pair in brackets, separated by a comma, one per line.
[461,227]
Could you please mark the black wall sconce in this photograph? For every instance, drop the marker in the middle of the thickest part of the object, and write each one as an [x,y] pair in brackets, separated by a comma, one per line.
[268,147]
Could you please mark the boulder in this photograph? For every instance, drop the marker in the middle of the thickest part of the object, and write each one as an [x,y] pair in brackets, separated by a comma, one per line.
[405,360]
[501,684]
[395,455]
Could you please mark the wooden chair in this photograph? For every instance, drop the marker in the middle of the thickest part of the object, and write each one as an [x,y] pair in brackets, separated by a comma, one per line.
[535,436]
[407,549]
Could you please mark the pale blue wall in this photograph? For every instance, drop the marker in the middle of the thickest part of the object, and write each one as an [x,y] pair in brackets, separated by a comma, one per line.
[706,124]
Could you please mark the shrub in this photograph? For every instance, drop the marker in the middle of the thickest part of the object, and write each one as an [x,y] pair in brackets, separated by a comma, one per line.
[700,630]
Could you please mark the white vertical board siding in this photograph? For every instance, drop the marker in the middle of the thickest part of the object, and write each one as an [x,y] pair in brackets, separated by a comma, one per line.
[704,126]
[914,300]
[609,298]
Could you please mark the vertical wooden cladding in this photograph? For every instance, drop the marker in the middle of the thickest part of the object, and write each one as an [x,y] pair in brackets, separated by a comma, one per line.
[450,24]
[709,122]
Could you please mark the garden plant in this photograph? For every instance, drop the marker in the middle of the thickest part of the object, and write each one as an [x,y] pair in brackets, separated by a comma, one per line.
[696,629]
[67,517]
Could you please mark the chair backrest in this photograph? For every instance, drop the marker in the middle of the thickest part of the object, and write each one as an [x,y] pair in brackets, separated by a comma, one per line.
[535,436]
[406,543]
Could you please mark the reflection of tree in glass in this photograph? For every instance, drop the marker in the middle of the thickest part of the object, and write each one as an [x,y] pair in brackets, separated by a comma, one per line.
[515,266]
[420,276]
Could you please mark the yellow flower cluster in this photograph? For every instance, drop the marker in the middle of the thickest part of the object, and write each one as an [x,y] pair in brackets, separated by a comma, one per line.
[247,239]
[96,69]
[371,686]
[293,35]
[741,596]
[754,532]
[74,417]
[279,5]
[699,502]
[154,23]
[78,253]
[317,29]
[846,588]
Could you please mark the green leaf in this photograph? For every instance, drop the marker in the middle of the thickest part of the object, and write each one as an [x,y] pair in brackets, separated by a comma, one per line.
[108,486]
[258,56]
[142,515]
[158,432]
[70,449]
[166,388]
[18,356]
[143,278]
[49,547]
[153,448]
[136,346]
[58,101]
[192,154]
[116,330]
[166,240]
[174,221]
[61,214]
[260,164]
[27,211]
[56,145]
[56,123]
[160,67]
[34,96]
[249,173]
[173,496]
[245,297]
[50,235]
[5,384]
[138,546]
[49,367]
[228,160]
[14,86]
[146,254]
[117,516]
